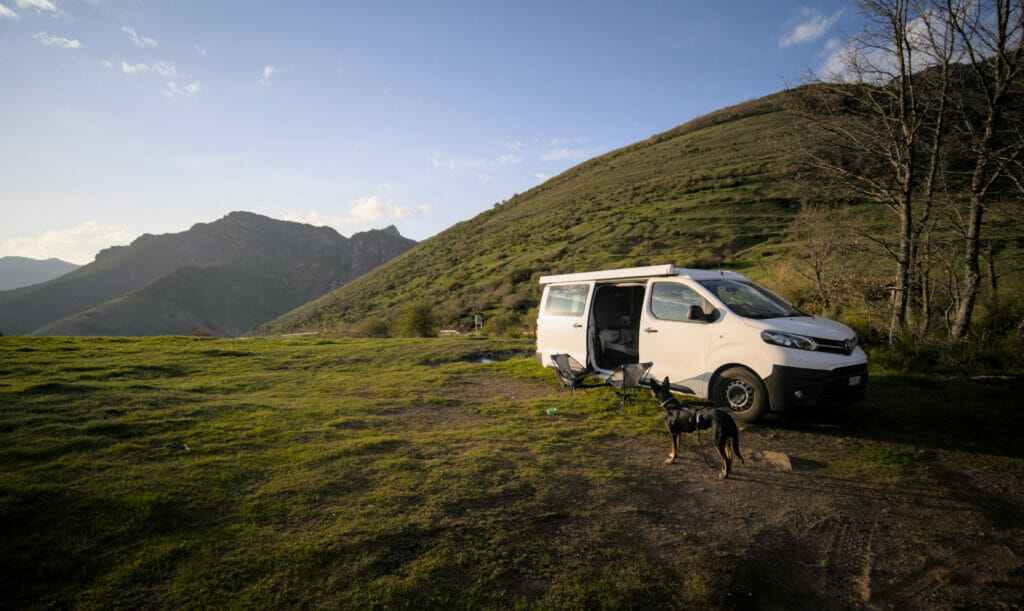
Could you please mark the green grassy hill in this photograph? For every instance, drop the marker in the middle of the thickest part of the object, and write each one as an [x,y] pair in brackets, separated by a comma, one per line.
[715,191]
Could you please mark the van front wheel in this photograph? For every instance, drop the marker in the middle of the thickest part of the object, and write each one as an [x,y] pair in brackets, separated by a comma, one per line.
[740,392]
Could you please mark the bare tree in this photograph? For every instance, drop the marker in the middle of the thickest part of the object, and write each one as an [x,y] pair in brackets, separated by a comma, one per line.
[899,122]
[870,122]
[826,253]
[991,34]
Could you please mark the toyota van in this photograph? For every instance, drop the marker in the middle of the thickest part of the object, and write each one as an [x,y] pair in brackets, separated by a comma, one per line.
[715,334]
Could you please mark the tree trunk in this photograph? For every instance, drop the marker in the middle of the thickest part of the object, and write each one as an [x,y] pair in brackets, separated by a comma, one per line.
[972,274]
[990,257]
[903,262]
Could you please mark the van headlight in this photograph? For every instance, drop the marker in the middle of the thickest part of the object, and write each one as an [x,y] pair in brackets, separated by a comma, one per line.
[789,340]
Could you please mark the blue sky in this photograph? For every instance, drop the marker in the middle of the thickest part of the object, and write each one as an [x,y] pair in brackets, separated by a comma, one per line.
[123,117]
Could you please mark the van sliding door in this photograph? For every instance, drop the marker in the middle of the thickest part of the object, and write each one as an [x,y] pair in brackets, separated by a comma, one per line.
[676,345]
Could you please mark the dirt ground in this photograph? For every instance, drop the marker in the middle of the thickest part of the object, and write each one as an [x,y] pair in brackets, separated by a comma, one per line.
[941,534]
[952,536]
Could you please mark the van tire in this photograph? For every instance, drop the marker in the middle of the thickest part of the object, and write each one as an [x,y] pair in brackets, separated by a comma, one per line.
[741,393]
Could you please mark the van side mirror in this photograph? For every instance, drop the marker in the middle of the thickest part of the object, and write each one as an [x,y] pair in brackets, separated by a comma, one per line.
[696,313]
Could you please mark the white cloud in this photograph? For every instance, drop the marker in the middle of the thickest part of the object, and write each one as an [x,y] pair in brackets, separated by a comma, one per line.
[363,213]
[437,163]
[77,244]
[164,69]
[832,44]
[876,63]
[137,40]
[6,13]
[57,41]
[311,217]
[514,146]
[475,164]
[484,177]
[42,5]
[371,209]
[563,153]
[173,89]
[541,177]
[267,73]
[133,68]
[812,25]
[200,50]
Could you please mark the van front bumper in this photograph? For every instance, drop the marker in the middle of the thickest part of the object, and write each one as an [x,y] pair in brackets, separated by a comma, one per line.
[799,387]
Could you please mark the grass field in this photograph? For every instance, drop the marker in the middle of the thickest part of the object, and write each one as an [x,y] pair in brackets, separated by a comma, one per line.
[350,473]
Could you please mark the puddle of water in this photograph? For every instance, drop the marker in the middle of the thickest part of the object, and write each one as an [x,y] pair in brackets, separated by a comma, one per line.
[495,357]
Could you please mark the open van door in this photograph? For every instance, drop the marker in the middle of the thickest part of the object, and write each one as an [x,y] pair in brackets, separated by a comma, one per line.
[675,335]
[562,324]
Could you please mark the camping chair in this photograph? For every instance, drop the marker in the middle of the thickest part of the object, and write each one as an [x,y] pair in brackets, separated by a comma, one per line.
[626,380]
[571,373]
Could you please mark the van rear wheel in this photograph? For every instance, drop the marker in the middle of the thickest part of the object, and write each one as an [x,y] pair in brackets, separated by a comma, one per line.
[741,393]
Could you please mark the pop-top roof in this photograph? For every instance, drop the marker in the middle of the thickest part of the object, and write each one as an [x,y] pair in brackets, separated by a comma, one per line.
[635,273]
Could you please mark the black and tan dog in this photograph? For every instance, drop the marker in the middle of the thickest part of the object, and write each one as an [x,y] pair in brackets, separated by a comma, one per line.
[681,420]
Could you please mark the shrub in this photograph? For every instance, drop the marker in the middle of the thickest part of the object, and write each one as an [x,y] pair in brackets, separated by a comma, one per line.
[504,323]
[417,320]
[372,327]
[203,332]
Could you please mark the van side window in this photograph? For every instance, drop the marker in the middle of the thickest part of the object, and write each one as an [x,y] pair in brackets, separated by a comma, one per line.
[671,301]
[567,300]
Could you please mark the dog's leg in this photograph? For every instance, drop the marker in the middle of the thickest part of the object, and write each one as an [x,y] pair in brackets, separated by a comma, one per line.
[721,441]
[736,447]
[726,459]
[675,443]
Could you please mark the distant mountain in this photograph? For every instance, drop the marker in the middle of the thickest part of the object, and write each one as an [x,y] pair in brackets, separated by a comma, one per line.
[16,272]
[224,276]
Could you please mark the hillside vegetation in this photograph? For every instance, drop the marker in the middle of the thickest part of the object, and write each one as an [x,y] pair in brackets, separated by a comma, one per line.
[717,191]
[733,189]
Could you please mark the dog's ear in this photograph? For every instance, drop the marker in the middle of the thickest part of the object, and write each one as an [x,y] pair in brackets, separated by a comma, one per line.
[665,383]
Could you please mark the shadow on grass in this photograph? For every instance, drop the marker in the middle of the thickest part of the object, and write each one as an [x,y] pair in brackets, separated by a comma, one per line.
[927,413]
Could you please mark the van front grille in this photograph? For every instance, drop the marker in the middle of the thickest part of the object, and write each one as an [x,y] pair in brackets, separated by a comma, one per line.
[835,346]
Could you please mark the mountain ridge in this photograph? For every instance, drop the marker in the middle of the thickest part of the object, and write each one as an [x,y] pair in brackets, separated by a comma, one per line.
[300,261]
[18,272]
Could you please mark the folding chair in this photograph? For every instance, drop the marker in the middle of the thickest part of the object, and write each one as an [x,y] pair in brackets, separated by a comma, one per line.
[626,380]
[571,373]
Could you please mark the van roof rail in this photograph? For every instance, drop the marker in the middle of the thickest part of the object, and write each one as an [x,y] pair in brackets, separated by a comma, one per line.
[613,274]
[627,273]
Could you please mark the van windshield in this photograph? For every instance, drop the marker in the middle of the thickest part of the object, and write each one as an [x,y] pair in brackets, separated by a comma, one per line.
[749,300]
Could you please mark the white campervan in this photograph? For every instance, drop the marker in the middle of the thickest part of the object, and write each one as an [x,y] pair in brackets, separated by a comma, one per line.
[714,334]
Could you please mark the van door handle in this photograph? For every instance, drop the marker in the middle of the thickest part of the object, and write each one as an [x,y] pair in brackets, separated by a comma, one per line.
[577,324]
[650,330]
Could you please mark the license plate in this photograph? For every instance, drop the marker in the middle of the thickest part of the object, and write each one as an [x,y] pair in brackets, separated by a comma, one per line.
[855,380]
